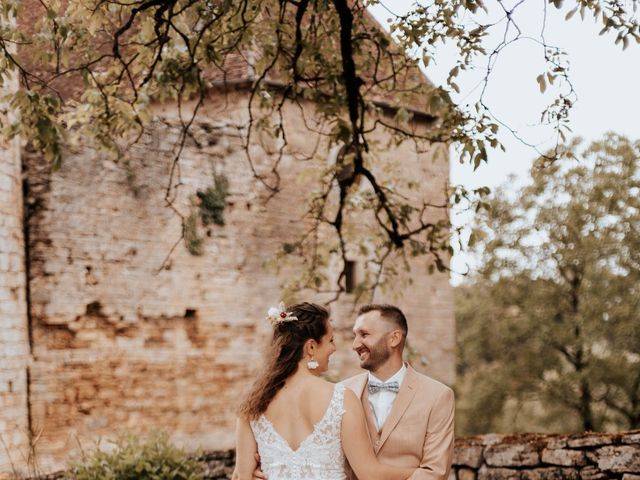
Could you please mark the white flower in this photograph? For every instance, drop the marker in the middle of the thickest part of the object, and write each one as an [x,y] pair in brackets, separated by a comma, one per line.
[276,315]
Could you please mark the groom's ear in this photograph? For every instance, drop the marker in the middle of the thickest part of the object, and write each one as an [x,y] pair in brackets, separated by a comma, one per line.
[395,339]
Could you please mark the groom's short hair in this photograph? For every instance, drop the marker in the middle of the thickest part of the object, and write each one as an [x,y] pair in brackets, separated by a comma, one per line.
[390,313]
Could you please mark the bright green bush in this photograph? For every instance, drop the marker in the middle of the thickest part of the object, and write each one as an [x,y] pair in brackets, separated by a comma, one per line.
[151,458]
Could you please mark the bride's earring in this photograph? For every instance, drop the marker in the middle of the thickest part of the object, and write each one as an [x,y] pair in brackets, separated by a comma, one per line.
[312,364]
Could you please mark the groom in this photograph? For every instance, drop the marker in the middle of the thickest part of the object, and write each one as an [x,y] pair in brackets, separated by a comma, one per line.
[409,415]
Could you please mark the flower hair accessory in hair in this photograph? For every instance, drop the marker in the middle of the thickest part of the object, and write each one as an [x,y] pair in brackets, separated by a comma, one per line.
[277,315]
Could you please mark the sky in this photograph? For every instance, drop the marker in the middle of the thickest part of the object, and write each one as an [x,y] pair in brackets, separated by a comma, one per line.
[606,80]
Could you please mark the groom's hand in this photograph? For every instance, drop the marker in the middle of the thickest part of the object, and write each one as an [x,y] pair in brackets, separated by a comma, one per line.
[257,473]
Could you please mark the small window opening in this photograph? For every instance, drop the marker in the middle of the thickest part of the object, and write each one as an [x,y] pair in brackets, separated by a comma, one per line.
[350,276]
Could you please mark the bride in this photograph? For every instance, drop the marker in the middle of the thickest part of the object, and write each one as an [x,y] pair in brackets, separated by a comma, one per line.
[302,426]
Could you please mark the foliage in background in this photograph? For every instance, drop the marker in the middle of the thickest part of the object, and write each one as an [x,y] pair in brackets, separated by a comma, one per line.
[192,239]
[213,200]
[92,69]
[133,458]
[548,329]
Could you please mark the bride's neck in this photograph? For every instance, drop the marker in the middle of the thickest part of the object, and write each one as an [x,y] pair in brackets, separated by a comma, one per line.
[302,373]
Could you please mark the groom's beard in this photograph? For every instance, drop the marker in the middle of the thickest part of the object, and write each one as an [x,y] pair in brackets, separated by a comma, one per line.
[378,354]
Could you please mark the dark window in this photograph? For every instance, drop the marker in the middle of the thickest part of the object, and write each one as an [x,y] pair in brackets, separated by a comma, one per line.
[350,276]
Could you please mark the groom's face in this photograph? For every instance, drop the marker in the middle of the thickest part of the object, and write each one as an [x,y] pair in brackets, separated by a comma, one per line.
[370,340]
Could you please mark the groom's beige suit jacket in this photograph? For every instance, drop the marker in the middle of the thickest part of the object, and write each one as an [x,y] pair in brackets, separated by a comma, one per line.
[419,429]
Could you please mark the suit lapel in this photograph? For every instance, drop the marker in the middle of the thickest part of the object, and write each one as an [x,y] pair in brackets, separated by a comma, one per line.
[359,385]
[400,405]
[368,413]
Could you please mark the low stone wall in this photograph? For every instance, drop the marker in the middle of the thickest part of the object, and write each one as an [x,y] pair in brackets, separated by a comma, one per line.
[591,456]
[217,465]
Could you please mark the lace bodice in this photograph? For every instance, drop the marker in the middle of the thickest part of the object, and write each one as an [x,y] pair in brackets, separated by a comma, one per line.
[319,456]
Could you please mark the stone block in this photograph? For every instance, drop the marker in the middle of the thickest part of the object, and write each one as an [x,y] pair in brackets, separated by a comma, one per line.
[630,476]
[468,455]
[492,438]
[556,442]
[631,437]
[564,457]
[511,455]
[4,262]
[592,473]
[487,473]
[592,456]
[591,440]
[550,473]
[7,184]
[466,474]
[619,459]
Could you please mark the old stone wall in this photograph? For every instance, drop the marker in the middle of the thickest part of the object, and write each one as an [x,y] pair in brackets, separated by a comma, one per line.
[14,339]
[591,456]
[133,332]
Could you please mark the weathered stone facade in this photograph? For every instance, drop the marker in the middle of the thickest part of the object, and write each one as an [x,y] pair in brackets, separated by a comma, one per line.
[120,343]
[14,336]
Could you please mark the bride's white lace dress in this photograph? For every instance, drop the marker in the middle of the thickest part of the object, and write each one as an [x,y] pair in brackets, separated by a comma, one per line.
[319,456]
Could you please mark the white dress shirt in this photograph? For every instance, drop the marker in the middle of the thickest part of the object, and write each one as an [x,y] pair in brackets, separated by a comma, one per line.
[382,401]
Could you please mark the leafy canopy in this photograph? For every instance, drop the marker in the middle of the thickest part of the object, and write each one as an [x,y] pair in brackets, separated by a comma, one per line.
[92,69]
[548,333]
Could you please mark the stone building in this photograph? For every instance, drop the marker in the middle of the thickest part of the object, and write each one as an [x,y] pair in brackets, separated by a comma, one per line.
[99,335]
[15,351]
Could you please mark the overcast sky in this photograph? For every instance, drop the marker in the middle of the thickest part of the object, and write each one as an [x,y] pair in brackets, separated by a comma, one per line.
[606,80]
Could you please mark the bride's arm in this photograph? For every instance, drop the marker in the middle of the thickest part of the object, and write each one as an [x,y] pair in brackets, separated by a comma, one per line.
[246,450]
[357,445]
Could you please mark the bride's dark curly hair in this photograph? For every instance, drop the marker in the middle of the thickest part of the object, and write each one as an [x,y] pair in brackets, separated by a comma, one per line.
[285,352]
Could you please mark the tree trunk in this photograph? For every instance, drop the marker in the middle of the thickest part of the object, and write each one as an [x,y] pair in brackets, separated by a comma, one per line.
[586,413]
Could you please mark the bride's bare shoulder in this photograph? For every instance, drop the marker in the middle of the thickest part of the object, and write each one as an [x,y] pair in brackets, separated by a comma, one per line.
[351,400]
[319,389]
[321,385]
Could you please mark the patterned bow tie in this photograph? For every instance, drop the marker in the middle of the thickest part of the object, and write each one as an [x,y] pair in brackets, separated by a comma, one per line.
[375,387]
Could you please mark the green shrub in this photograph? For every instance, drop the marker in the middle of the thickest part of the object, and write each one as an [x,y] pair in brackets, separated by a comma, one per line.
[151,458]
[192,240]
[213,200]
